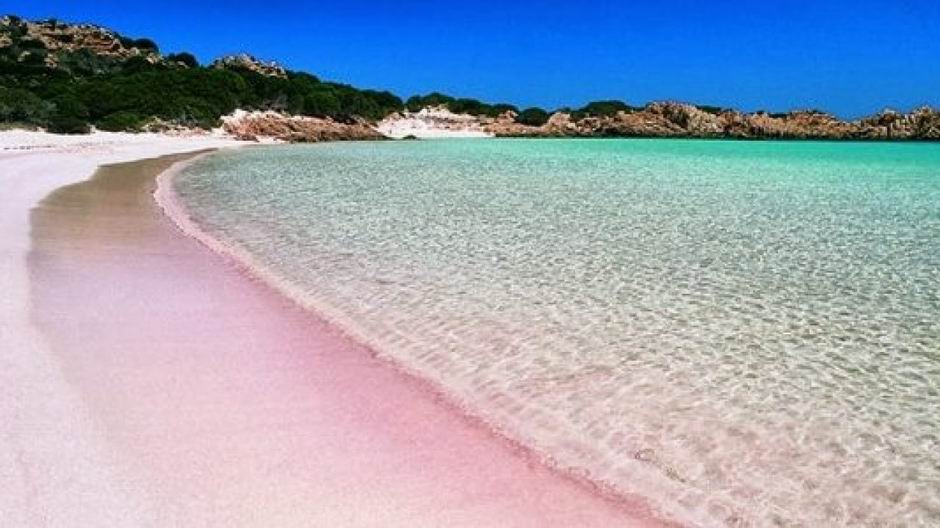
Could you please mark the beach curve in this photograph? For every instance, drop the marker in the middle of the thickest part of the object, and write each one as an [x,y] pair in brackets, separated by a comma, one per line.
[173,207]
[458,474]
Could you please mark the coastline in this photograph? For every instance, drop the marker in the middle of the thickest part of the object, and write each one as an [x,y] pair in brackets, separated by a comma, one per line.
[389,447]
[246,263]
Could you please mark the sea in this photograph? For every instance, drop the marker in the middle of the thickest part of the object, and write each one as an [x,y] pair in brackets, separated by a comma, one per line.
[739,333]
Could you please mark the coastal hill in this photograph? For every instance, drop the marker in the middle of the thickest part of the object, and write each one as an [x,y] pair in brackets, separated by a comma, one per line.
[68,78]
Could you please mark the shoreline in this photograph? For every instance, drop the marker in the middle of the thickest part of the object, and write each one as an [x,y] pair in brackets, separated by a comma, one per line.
[170,204]
[449,479]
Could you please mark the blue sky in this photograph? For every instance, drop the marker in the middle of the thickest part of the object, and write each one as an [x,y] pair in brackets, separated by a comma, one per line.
[848,57]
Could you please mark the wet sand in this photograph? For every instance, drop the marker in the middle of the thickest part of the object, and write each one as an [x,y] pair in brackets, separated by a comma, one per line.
[223,403]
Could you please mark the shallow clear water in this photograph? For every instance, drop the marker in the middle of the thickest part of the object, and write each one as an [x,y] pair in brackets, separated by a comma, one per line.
[742,333]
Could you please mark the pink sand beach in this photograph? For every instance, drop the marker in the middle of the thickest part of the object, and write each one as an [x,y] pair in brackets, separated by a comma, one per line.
[149,381]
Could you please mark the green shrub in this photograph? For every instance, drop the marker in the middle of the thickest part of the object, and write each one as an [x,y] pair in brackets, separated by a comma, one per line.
[139,64]
[16,28]
[386,101]
[146,44]
[122,121]
[30,44]
[320,103]
[85,63]
[417,102]
[35,58]
[18,105]
[68,125]
[462,105]
[69,105]
[303,78]
[714,110]
[532,117]
[498,109]
[187,59]
[467,106]
[141,43]
[603,108]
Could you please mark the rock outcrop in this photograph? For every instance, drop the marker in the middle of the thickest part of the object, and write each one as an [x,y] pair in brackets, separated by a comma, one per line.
[668,119]
[250,63]
[51,40]
[276,126]
[923,123]
[54,42]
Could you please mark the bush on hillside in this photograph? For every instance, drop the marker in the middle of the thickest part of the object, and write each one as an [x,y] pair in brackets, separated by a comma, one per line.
[467,106]
[123,121]
[603,109]
[532,117]
[68,125]
[498,109]
[320,103]
[187,59]
[28,44]
[142,43]
[714,110]
[18,105]
[386,101]
[462,105]
[417,102]
[85,63]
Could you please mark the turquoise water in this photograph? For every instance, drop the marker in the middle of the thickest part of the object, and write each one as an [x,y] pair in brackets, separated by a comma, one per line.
[742,333]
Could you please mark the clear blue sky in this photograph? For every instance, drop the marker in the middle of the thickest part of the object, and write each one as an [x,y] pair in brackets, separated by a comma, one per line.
[848,57]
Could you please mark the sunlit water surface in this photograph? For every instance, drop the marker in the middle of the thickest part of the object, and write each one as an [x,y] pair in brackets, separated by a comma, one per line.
[741,333]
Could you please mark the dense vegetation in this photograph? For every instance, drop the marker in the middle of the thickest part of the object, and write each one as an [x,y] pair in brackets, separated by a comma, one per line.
[602,109]
[533,117]
[115,93]
[458,105]
[715,110]
[81,88]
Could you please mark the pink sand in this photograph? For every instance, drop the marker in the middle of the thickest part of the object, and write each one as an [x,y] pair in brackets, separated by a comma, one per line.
[221,403]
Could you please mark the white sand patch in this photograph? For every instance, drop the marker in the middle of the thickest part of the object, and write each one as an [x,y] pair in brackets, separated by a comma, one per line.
[430,123]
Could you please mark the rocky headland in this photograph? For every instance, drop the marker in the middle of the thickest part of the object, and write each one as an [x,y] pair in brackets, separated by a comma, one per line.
[656,120]
[681,120]
[276,126]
